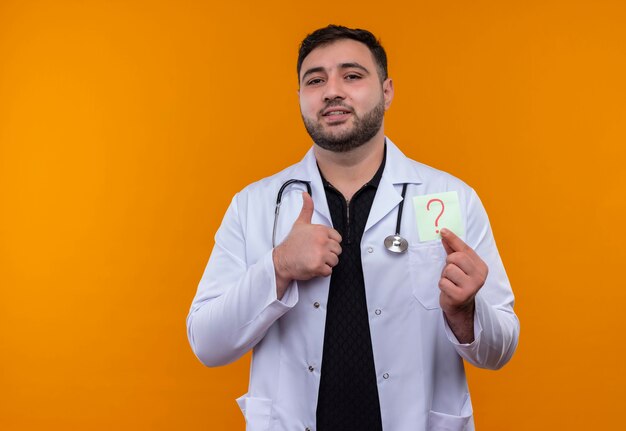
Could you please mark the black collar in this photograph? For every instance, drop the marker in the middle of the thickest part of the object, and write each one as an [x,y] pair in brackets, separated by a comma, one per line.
[374,182]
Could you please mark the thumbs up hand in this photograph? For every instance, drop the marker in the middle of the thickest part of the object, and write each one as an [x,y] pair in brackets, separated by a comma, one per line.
[461,279]
[310,250]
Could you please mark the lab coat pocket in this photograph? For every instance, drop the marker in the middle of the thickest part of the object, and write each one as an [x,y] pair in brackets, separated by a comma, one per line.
[443,422]
[426,261]
[257,412]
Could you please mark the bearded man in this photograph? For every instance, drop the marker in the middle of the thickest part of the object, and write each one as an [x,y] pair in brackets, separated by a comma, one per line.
[359,317]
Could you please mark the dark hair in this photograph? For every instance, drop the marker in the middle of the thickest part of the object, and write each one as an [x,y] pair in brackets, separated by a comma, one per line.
[332,33]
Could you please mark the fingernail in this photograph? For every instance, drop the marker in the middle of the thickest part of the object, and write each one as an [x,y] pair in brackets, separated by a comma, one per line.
[444,231]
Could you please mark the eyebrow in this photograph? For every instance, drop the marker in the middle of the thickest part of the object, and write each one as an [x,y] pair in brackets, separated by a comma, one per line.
[341,66]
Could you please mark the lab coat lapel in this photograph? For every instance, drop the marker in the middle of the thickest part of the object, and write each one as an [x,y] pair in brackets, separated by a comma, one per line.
[387,198]
[312,174]
[398,170]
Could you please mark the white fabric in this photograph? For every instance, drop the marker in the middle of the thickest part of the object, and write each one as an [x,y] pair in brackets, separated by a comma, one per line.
[421,379]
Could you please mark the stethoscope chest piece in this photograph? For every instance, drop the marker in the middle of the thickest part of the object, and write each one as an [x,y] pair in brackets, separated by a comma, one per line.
[396,244]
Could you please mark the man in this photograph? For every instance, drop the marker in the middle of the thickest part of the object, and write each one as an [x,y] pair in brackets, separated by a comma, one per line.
[348,331]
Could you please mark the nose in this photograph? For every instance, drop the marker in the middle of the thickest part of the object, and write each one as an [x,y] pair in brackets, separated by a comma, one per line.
[333,89]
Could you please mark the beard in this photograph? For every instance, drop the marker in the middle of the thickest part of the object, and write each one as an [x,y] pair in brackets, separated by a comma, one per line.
[363,130]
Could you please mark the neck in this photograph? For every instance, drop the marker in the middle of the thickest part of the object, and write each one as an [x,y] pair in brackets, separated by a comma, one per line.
[348,171]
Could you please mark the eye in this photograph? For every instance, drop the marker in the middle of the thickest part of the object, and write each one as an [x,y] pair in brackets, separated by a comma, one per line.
[352,77]
[314,81]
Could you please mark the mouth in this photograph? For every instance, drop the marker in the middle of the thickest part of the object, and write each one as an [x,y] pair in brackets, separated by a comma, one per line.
[336,114]
[328,112]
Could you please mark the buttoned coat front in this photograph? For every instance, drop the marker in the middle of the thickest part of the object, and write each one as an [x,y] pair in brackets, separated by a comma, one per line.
[419,363]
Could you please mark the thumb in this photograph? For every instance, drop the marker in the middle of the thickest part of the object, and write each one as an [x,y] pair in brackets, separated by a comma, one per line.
[449,250]
[451,242]
[307,209]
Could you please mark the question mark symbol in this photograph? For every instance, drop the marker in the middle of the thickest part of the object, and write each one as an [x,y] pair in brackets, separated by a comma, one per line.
[440,214]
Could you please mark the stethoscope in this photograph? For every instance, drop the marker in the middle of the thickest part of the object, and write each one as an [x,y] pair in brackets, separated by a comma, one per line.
[279,198]
[394,243]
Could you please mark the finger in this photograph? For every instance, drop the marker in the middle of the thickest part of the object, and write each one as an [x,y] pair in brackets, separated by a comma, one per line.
[326,271]
[332,259]
[306,213]
[451,242]
[447,287]
[334,235]
[463,261]
[446,247]
[454,274]
[451,297]
[334,247]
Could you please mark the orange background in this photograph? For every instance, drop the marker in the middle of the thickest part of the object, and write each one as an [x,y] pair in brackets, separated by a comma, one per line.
[127,126]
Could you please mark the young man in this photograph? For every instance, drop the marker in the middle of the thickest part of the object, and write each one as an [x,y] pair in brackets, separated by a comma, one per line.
[351,329]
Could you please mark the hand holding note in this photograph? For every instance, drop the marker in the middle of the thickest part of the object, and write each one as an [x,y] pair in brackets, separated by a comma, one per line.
[461,279]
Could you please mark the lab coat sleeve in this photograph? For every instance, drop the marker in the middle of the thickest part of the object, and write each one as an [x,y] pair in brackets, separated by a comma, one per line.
[496,327]
[236,301]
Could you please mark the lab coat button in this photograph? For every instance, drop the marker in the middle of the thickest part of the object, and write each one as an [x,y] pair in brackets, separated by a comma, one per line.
[311,369]
[378,312]
[316,304]
[370,250]
[385,376]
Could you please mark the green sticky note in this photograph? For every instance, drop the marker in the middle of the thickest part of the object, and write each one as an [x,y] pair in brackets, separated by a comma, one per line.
[436,211]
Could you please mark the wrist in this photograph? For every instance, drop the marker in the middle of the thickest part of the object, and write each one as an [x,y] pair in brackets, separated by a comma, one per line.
[466,309]
[461,322]
[280,267]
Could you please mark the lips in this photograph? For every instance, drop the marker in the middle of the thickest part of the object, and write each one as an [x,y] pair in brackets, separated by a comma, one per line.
[336,112]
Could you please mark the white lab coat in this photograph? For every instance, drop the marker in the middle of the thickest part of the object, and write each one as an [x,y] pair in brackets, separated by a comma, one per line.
[420,374]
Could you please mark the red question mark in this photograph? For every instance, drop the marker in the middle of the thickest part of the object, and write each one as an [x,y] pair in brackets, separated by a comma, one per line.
[440,214]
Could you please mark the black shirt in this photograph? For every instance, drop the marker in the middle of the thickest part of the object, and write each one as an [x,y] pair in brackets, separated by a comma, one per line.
[348,393]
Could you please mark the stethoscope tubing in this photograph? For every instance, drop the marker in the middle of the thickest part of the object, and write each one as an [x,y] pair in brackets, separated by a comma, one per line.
[279,199]
[400,208]
[393,243]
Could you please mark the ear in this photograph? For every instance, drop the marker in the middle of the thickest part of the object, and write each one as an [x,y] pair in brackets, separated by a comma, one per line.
[388,92]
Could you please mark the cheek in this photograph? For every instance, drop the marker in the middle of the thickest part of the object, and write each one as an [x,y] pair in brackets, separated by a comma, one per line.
[307,108]
[367,100]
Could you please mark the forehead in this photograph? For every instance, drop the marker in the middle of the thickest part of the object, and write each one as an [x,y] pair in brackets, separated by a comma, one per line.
[339,52]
